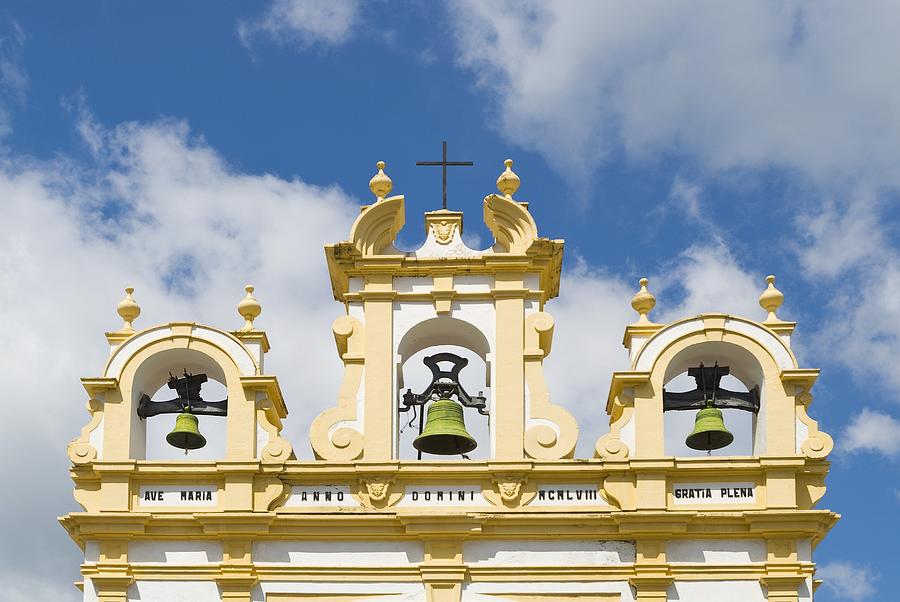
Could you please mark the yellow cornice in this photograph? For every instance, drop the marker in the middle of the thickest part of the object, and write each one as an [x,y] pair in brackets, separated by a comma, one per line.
[97,385]
[640,330]
[268,384]
[253,336]
[804,377]
[490,523]
[621,380]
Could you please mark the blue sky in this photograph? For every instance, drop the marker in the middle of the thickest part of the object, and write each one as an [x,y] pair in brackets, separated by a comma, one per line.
[186,148]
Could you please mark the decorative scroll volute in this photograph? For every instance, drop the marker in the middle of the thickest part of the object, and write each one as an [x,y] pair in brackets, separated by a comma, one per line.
[509,221]
[542,441]
[376,228]
[277,448]
[817,444]
[80,450]
[610,446]
[334,434]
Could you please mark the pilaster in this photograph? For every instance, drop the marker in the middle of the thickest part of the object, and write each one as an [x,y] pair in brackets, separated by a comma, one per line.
[509,412]
[378,296]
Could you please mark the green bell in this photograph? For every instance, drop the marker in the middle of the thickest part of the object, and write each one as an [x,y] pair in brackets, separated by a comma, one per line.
[186,434]
[709,431]
[445,430]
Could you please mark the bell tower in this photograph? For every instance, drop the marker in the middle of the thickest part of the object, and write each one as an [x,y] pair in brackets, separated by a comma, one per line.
[705,487]
[488,301]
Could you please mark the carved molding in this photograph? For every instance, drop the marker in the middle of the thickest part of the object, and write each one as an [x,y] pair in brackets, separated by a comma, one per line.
[277,448]
[376,228]
[378,492]
[80,450]
[510,222]
[610,446]
[343,443]
[818,444]
[443,231]
[543,442]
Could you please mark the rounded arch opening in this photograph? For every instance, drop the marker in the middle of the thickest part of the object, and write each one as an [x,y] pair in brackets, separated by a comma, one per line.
[438,335]
[148,440]
[745,374]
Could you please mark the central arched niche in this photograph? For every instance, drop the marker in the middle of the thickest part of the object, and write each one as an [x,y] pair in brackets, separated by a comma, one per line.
[149,440]
[437,335]
[745,372]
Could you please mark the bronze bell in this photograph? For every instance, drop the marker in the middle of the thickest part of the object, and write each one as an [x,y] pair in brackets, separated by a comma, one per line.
[445,430]
[186,434]
[709,430]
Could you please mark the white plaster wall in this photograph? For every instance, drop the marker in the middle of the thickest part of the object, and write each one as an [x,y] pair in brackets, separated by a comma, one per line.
[771,342]
[801,432]
[532,281]
[627,435]
[174,591]
[357,311]
[96,437]
[804,593]
[716,551]
[648,353]
[338,553]
[716,591]
[418,284]
[355,284]
[91,551]
[487,592]
[175,552]
[480,283]
[708,591]
[403,592]
[547,552]
[804,550]
[89,594]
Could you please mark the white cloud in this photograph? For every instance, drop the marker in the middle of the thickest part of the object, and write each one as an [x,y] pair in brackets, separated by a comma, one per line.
[848,581]
[873,431]
[162,211]
[808,89]
[711,280]
[730,85]
[304,22]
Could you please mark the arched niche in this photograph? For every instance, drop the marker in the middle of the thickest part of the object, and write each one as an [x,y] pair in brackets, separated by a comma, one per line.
[744,374]
[143,368]
[754,361]
[152,378]
[436,335]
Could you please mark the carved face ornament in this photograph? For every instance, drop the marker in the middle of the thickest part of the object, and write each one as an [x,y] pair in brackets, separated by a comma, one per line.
[443,231]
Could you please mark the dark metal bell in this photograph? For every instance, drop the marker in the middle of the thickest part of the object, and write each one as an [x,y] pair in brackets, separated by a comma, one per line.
[445,430]
[186,434]
[709,431]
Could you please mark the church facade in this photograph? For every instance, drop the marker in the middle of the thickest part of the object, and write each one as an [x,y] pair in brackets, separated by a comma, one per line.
[371,514]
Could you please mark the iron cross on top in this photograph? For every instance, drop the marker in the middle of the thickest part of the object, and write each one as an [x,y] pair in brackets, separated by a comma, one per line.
[444,163]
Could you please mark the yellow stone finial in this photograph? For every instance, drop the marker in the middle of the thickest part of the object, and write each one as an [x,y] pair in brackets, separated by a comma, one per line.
[771,299]
[508,182]
[249,308]
[643,301]
[380,184]
[128,309]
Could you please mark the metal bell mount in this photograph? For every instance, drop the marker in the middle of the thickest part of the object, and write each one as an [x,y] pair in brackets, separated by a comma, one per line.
[188,405]
[709,426]
[444,432]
